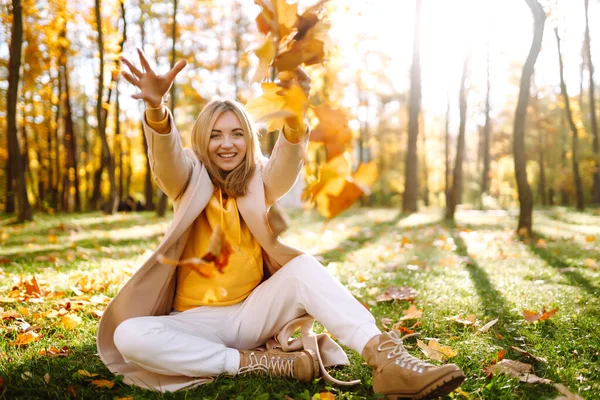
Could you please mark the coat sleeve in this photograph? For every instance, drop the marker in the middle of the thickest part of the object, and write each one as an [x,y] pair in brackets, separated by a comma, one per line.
[283,167]
[170,165]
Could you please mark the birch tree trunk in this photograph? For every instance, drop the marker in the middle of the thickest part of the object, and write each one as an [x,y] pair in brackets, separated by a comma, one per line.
[594,121]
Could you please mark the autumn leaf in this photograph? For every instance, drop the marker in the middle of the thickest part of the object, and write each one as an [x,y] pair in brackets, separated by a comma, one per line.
[487,326]
[219,249]
[54,352]
[469,320]
[397,293]
[412,312]
[47,378]
[85,373]
[306,51]
[526,353]
[333,130]
[567,395]
[590,239]
[278,103]
[515,369]
[103,383]
[265,54]
[70,321]
[590,263]
[532,316]
[25,338]
[435,351]
[326,396]
[31,287]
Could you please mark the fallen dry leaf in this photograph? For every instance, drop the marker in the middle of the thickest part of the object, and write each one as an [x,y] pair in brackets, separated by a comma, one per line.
[397,294]
[590,263]
[435,351]
[85,373]
[412,312]
[23,339]
[567,394]
[326,396]
[590,239]
[532,316]
[487,326]
[70,321]
[526,353]
[47,378]
[470,320]
[54,352]
[103,383]
[516,369]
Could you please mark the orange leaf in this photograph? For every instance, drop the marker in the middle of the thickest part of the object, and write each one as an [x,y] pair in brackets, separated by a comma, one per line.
[31,287]
[103,383]
[25,338]
[332,130]
[531,316]
[219,249]
[306,51]
[278,103]
[395,293]
[412,312]
[326,396]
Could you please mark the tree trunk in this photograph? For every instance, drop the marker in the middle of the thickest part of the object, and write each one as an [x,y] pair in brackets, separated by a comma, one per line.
[9,205]
[574,151]
[71,199]
[411,184]
[447,153]
[148,187]
[487,129]
[594,121]
[525,196]
[87,150]
[23,208]
[455,192]
[161,209]
[118,144]
[425,167]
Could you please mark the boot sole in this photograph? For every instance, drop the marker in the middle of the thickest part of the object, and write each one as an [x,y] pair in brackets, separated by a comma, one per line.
[437,389]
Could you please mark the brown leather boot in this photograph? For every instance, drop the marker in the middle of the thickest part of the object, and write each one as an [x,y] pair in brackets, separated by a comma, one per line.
[399,375]
[300,365]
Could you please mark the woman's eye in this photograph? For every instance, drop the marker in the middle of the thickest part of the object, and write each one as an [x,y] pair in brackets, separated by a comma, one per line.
[214,136]
[238,134]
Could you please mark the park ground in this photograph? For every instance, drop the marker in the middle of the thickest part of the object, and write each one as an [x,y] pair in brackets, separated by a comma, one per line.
[465,275]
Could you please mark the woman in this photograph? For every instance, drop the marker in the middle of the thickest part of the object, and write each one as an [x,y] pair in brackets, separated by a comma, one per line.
[167,326]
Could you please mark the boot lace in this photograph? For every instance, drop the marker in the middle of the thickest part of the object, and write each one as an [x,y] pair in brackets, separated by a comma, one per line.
[402,357]
[264,364]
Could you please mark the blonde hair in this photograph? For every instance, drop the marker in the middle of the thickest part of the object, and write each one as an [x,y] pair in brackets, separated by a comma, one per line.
[233,183]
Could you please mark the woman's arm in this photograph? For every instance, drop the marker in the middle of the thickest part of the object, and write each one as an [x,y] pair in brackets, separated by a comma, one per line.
[282,170]
[170,167]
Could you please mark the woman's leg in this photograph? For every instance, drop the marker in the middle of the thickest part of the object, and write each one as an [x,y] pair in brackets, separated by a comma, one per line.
[303,286]
[186,343]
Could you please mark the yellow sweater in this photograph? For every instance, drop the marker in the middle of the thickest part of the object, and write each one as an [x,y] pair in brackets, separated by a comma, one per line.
[244,270]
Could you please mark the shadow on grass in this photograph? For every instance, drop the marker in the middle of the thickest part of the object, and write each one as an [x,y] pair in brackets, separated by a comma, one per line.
[492,300]
[359,239]
[95,249]
[553,260]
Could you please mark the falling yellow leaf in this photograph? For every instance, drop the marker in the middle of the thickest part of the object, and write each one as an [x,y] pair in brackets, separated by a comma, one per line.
[103,383]
[265,54]
[435,351]
[70,321]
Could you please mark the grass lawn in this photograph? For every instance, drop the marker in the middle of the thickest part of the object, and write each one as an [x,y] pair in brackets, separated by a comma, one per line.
[476,269]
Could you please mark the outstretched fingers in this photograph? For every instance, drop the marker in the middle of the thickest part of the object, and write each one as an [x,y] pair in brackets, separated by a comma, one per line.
[145,64]
[131,67]
[176,70]
[131,79]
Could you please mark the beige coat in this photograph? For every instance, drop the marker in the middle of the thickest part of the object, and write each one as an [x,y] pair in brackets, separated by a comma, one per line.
[150,291]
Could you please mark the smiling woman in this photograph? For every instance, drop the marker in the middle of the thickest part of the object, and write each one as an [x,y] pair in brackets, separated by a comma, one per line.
[227,145]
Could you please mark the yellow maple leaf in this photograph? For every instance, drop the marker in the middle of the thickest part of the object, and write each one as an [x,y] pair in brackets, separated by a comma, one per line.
[103,383]
[70,321]
[276,104]
[87,374]
[25,338]
[265,54]
[412,312]
[435,351]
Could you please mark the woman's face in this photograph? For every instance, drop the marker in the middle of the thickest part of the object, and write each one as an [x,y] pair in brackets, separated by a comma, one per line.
[227,144]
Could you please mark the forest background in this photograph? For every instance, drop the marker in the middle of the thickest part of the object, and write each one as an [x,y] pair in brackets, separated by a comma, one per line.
[428,91]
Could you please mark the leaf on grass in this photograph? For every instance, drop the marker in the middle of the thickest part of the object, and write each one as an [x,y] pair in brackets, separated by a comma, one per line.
[47,378]
[526,353]
[85,373]
[567,395]
[590,263]
[541,243]
[326,396]
[487,326]
[435,351]
[54,352]
[31,287]
[469,320]
[26,375]
[516,369]
[412,312]
[25,338]
[532,316]
[590,239]
[70,321]
[101,383]
[403,293]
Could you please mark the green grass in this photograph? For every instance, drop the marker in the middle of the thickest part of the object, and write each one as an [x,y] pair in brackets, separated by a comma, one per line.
[477,266]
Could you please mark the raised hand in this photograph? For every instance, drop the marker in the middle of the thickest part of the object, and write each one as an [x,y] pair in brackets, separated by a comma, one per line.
[152,87]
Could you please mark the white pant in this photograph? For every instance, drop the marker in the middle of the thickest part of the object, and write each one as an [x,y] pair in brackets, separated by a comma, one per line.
[203,341]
